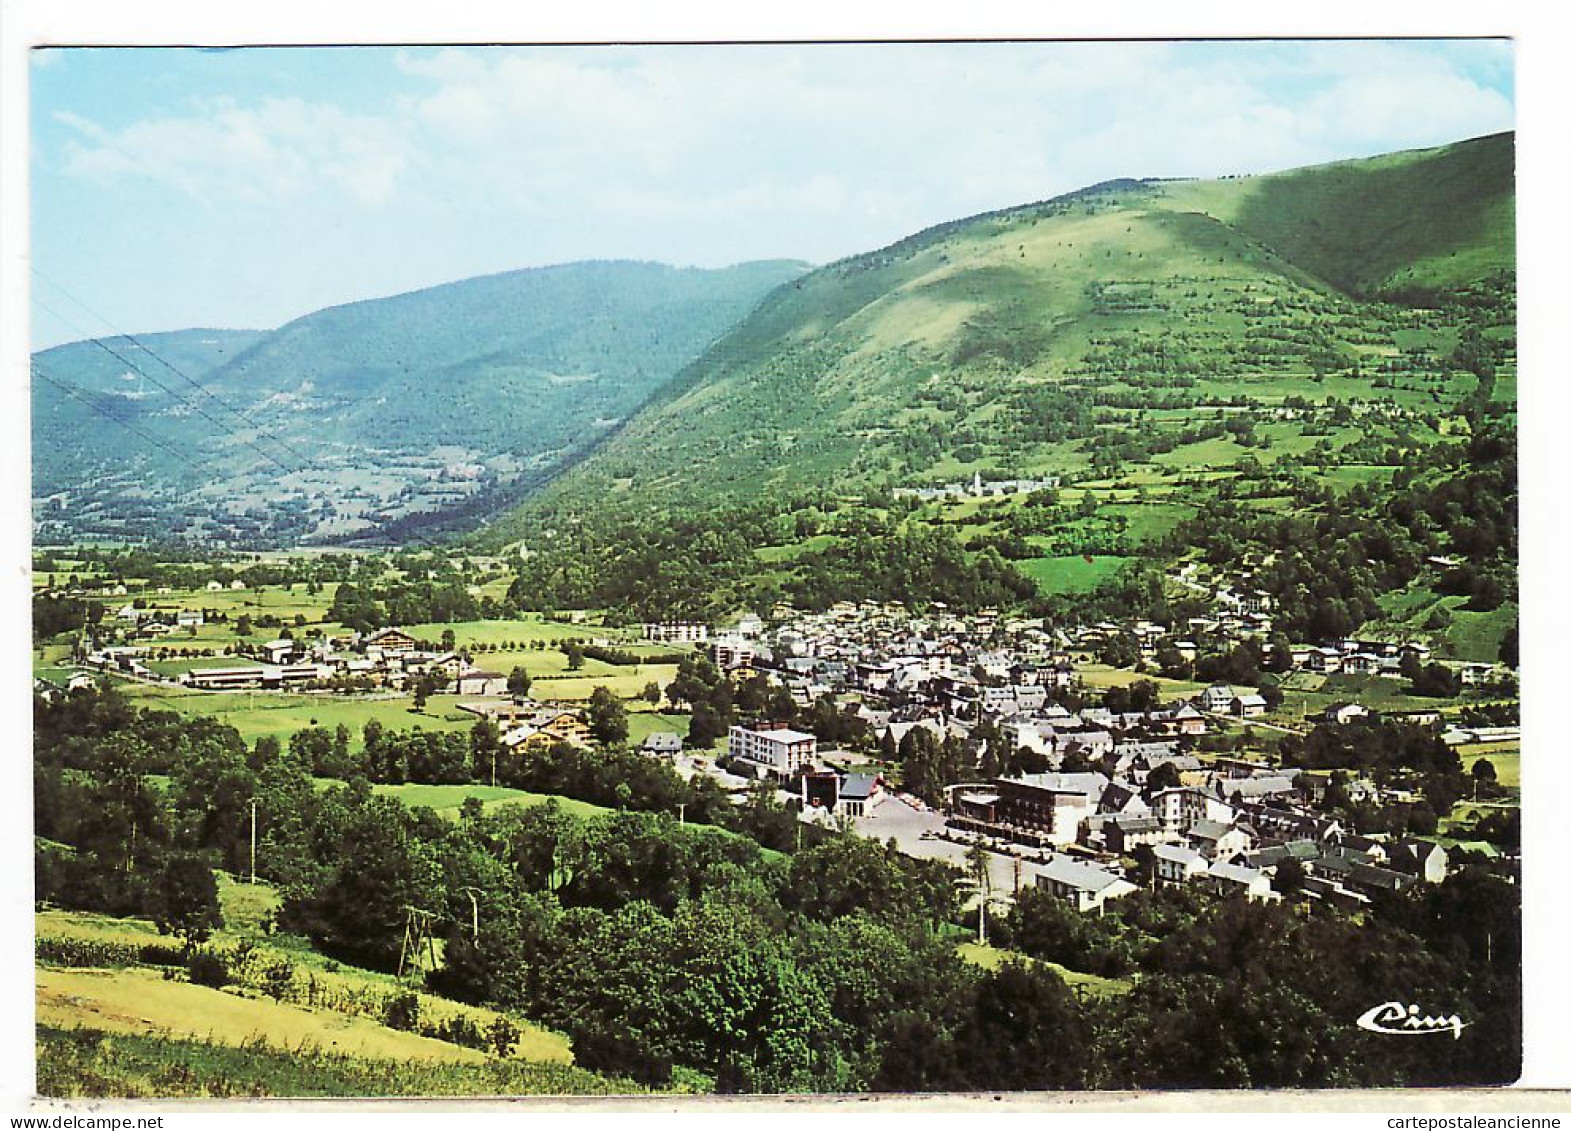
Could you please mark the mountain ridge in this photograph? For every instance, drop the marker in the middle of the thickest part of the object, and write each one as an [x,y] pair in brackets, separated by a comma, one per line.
[381,409]
[991,310]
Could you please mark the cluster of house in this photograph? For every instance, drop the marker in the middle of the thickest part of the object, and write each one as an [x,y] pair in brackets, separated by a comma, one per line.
[775,751]
[152,623]
[1227,827]
[525,725]
[888,651]
[977,488]
[988,663]
[388,658]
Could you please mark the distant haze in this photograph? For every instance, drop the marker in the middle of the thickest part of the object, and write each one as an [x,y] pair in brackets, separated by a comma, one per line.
[177,188]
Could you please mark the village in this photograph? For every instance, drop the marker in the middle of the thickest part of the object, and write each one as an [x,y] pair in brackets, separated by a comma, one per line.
[1098,787]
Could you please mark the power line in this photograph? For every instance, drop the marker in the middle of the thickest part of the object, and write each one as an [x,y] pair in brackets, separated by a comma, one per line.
[165,362]
[82,396]
[306,462]
[196,408]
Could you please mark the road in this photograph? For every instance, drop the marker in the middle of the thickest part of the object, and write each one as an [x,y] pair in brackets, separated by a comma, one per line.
[916,830]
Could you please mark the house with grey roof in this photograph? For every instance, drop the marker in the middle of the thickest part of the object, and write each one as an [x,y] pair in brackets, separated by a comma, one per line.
[1176,864]
[1086,886]
[1235,879]
[1123,833]
[1255,787]
[1352,871]
[858,792]
[1217,699]
[1424,860]
[1269,856]
[662,744]
[1216,841]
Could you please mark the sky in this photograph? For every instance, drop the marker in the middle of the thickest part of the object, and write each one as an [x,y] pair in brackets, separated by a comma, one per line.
[174,188]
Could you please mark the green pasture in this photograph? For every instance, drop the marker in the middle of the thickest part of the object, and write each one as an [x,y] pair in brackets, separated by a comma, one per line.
[1099,677]
[1506,757]
[1070,574]
[279,715]
[449,799]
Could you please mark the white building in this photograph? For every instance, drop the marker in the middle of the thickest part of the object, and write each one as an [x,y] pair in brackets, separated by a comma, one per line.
[1228,879]
[1084,885]
[1176,864]
[780,751]
[1217,698]
[677,632]
[733,651]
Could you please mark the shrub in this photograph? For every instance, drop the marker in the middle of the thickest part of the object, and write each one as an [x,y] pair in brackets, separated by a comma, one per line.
[207,969]
[85,952]
[158,954]
[402,1011]
[504,1036]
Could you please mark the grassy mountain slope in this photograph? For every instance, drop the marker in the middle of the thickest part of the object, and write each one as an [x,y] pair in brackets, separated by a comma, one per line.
[1405,222]
[382,413]
[1037,339]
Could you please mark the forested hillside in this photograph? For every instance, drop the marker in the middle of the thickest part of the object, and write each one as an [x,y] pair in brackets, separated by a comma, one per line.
[392,415]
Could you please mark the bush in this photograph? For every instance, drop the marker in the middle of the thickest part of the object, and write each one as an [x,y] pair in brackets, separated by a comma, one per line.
[207,969]
[157,954]
[504,1036]
[278,979]
[402,1011]
[85,953]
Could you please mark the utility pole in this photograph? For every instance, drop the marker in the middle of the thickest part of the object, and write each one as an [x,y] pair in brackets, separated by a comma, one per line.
[417,938]
[253,840]
[681,812]
[474,911]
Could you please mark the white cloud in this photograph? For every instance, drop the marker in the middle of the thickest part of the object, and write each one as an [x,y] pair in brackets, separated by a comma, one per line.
[709,155]
[278,151]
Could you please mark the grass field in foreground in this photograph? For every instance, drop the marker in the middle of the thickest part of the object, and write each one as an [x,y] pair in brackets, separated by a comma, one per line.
[141,1001]
[84,1062]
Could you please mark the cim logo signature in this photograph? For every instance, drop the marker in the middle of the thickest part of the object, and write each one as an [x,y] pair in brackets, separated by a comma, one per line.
[1405,1020]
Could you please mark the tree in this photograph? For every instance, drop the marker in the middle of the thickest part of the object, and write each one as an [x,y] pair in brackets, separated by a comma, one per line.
[575,655]
[1509,649]
[1437,681]
[243,625]
[1145,864]
[652,693]
[185,901]
[1165,776]
[706,726]
[1289,879]
[1024,1032]
[485,744]
[449,640]
[518,683]
[1119,652]
[982,879]
[607,717]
